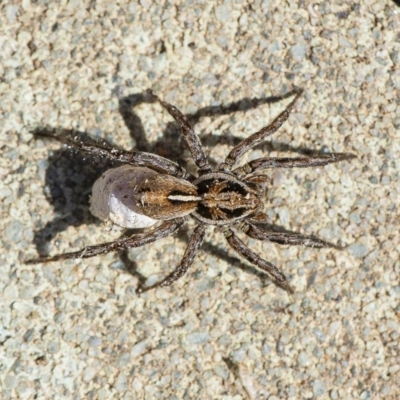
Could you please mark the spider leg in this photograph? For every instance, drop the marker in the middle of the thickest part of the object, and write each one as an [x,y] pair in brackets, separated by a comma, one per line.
[135,240]
[293,239]
[278,277]
[259,136]
[291,162]
[138,158]
[194,244]
[189,135]
[259,179]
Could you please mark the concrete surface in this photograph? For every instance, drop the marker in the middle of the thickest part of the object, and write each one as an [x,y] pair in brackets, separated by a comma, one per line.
[77,329]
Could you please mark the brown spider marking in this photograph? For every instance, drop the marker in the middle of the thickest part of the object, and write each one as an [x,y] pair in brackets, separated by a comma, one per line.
[216,200]
[149,190]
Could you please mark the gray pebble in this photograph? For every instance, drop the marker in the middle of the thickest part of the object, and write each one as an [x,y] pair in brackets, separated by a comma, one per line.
[198,338]
[319,334]
[222,13]
[365,395]
[205,284]
[94,341]
[224,340]
[53,347]
[385,389]
[291,392]
[48,273]
[11,13]
[334,327]
[358,250]
[334,394]
[355,217]
[26,292]
[13,231]
[28,334]
[47,65]
[266,349]
[121,383]
[331,232]
[10,382]
[284,215]
[238,355]
[59,317]
[123,360]
[88,374]
[318,388]
[318,352]
[139,348]
[265,5]
[303,359]
[222,371]
[298,51]
[5,192]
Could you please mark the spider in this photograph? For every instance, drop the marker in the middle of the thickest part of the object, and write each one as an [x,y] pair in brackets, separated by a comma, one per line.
[151,191]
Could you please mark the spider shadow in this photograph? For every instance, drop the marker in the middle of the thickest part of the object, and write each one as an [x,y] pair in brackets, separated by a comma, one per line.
[68,181]
[70,175]
[171,144]
[222,253]
[182,235]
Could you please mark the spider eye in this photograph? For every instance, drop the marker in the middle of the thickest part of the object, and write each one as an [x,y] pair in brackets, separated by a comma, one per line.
[224,198]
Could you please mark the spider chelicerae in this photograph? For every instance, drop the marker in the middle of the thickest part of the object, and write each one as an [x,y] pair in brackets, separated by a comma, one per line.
[151,191]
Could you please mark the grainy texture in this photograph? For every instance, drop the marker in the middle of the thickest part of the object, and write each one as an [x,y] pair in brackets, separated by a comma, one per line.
[78,329]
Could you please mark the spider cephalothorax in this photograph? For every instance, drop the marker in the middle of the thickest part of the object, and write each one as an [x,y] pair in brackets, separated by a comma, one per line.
[149,190]
[216,198]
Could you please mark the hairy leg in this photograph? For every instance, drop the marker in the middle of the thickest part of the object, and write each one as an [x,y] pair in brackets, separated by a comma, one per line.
[138,158]
[290,162]
[278,277]
[194,244]
[296,239]
[188,134]
[135,240]
[259,136]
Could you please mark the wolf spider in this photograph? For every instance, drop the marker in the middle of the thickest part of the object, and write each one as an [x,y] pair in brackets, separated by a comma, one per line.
[159,191]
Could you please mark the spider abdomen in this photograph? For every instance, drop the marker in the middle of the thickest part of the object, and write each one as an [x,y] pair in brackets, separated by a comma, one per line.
[113,197]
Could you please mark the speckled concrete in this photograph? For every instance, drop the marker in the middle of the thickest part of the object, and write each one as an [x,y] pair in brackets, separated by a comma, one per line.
[78,330]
